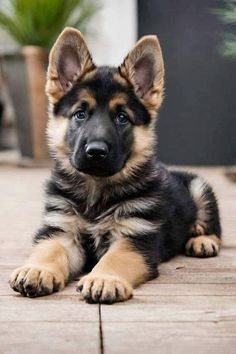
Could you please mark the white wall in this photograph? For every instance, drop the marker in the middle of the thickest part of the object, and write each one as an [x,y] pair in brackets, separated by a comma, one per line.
[114,31]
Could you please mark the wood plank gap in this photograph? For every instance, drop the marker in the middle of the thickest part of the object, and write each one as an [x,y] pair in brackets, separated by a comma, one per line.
[174,321]
[147,294]
[100,330]
[222,283]
[46,321]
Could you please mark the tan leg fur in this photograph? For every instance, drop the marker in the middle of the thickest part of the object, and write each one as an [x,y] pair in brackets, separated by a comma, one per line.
[115,275]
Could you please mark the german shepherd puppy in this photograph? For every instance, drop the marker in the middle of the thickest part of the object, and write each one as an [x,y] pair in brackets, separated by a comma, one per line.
[112,209]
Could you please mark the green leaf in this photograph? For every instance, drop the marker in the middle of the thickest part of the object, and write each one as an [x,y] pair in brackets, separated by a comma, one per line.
[227,14]
[38,22]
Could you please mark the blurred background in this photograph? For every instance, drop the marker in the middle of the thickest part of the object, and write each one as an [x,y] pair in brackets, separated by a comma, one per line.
[198,118]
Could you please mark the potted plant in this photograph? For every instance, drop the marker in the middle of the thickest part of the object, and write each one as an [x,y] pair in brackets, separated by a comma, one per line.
[227,14]
[35,24]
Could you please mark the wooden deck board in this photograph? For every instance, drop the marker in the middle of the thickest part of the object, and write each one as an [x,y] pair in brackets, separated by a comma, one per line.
[190,307]
[49,337]
[169,337]
[165,308]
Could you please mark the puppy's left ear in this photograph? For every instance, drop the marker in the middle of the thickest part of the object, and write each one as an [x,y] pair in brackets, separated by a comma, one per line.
[69,59]
[144,69]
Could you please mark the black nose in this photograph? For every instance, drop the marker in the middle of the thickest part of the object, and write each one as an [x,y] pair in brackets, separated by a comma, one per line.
[96,150]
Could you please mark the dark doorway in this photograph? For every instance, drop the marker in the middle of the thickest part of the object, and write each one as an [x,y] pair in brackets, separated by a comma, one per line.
[198,118]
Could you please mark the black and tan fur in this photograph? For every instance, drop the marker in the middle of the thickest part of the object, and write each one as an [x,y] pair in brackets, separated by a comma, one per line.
[112,211]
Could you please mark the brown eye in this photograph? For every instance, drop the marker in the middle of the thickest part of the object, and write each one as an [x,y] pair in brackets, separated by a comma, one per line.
[122,118]
[80,115]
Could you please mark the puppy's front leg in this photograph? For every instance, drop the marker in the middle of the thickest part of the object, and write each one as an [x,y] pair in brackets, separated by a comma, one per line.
[47,270]
[115,275]
[57,254]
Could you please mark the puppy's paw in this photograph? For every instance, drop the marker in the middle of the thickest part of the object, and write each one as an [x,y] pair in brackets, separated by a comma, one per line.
[202,246]
[36,281]
[104,288]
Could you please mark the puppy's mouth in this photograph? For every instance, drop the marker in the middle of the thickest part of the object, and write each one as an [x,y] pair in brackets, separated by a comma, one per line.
[105,168]
[97,172]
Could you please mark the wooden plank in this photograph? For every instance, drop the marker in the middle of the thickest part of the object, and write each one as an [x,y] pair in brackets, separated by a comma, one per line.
[49,337]
[51,308]
[12,258]
[165,286]
[199,277]
[172,309]
[168,338]
[151,289]
[226,279]
[224,260]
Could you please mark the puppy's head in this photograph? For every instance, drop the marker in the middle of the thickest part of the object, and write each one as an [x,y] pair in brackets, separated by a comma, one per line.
[101,118]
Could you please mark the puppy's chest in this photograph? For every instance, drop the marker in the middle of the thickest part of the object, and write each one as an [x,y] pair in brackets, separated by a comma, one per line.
[98,235]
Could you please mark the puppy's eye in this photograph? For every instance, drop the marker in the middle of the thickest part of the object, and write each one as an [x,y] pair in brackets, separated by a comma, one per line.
[80,115]
[122,118]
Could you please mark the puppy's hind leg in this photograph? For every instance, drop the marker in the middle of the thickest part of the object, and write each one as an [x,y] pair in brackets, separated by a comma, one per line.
[205,234]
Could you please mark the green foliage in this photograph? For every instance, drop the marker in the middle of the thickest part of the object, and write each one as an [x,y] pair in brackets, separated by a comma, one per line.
[38,22]
[227,14]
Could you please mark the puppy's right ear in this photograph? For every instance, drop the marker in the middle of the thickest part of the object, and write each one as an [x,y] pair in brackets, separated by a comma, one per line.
[69,59]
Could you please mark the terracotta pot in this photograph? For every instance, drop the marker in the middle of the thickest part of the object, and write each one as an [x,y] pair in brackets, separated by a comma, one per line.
[36,59]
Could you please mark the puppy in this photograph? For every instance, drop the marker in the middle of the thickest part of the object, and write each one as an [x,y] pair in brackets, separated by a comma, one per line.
[112,209]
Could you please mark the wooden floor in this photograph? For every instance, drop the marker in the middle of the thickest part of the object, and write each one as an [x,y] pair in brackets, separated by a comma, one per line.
[190,308]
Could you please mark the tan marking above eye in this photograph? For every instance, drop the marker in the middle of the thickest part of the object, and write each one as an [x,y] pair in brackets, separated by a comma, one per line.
[120,100]
[117,100]
[87,97]
[130,113]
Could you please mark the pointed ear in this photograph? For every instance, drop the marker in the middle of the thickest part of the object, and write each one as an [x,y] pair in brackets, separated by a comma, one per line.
[69,59]
[144,69]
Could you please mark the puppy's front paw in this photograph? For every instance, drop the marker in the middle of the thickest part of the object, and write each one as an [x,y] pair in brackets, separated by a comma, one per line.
[35,281]
[104,288]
